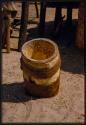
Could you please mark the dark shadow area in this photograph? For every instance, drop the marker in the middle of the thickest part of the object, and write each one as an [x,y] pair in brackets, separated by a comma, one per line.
[17,37]
[72,58]
[11,49]
[17,22]
[15,92]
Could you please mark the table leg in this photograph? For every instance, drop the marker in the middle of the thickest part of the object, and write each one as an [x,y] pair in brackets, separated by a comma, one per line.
[37,11]
[69,16]
[23,27]
[1,27]
[42,17]
[7,32]
[80,41]
[57,17]
[1,37]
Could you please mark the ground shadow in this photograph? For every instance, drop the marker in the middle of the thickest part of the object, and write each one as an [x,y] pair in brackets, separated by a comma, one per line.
[17,22]
[15,92]
[64,35]
[17,37]
[11,49]
[72,58]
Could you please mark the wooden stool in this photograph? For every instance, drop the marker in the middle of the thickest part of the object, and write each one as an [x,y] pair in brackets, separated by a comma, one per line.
[9,13]
[58,4]
[24,21]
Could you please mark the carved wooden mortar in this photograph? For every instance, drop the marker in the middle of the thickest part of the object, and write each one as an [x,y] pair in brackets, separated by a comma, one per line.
[40,62]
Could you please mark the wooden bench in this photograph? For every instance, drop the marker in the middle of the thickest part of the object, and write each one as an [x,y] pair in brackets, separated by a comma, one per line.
[58,4]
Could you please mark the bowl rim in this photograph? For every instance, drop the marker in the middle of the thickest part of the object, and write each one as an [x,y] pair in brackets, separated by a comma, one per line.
[44,60]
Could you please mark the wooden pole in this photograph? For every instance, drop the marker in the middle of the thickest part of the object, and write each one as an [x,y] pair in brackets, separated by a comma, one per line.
[58,16]
[42,18]
[69,15]
[7,32]
[1,37]
[37,11]
[1,25]
[80,28]
[23,27]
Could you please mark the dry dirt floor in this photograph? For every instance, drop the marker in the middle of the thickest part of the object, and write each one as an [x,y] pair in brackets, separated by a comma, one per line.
[68,105]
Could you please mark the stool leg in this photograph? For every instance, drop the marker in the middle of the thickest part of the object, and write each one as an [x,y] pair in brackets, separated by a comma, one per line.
[42,18]
[80,34]
[69,16]
[1,27]
[7,34]
[23,27]
[37,12]
[57,17]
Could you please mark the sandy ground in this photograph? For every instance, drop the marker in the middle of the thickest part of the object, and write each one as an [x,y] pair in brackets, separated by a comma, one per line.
[67,105]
